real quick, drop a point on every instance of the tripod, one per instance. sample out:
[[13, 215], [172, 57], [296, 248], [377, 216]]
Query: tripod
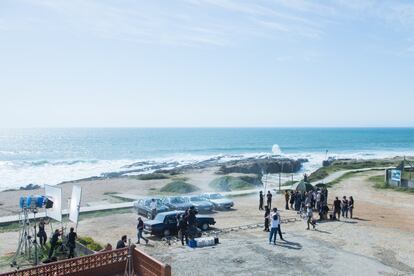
[[26, 233]]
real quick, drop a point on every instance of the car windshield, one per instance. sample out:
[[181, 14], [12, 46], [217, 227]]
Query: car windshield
[[197, 198], [159, 217], [148, 202], [177, 200], [216, 196]]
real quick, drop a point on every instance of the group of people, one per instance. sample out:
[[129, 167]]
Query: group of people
[[343, 207], [187, 225], [54, 241], [268, 200]]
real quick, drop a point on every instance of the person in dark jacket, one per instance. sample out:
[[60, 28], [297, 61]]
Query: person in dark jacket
[[337, 208], [121, 242], [71, 243], [42, 233], [53, 242], [140, 229], [269, 199], [182, 229], [192, 222], [266, 216], [292, 199], [351, 206], [261, 200]]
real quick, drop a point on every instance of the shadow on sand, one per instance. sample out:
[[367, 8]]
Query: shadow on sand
[[289, 244]]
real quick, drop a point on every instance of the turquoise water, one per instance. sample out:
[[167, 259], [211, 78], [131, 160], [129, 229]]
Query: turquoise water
[[48, 156]]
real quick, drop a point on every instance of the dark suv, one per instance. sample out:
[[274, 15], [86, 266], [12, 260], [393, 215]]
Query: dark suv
[[165, 224]]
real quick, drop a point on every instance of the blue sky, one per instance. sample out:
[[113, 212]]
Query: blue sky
[[202, 63]]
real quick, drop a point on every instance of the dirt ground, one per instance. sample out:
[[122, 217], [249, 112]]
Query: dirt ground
[[378, 241]]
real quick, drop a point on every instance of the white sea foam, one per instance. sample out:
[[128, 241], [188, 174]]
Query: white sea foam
[[15, 174]]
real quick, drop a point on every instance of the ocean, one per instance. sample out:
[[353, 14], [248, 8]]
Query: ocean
[[51, 156]]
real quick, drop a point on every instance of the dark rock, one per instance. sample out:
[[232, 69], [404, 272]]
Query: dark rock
[[262, 166]]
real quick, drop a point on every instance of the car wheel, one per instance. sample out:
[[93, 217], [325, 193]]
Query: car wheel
[[167, 233], [204, 227]]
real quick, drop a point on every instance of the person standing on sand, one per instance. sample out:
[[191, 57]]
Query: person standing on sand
[[337, 208], [266, 216], [292, 199], [309, 214], [344, 207], [269, 199], [287, 200], [261, 197], [351, 206], [274, 226], [140, 229]]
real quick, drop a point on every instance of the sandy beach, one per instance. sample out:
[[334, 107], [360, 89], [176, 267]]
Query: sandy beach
[[379, 238]]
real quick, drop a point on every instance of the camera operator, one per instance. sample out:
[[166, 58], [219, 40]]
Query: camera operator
[[53, 242]]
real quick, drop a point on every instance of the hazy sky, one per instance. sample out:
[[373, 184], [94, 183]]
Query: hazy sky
[[206, 63]]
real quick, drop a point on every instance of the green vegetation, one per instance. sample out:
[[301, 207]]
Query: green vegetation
[[339, 165], [90, 243], [9, 227], [150, 176], [231, 183], [178, 187], [379, 183]]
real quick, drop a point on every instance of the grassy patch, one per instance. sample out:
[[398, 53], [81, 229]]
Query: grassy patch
[[9, 227], [379, 183], [231, 183], [150, 176], [179, 187], [339, 165], [90, 243]]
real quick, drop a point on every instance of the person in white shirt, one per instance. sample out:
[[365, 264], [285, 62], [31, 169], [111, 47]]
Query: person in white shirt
[[153, 206], [274, 224]]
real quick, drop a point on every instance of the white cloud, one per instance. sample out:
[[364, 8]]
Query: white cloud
[[208, 22]]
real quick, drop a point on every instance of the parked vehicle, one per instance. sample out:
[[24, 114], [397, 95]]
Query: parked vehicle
[[201, 203], [177, 203], [219, 201], [165, 224], [142, 206]]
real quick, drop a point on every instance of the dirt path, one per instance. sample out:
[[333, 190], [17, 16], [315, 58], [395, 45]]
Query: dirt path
[[385, 208]]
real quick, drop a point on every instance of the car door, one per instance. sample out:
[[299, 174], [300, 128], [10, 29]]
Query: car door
[[171, 223]]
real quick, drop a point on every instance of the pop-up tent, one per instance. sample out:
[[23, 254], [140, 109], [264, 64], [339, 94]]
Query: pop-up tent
[[303, 186]]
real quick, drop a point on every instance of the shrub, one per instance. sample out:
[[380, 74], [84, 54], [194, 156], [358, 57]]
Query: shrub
[[179, 187], [90, 243], [230, 183]]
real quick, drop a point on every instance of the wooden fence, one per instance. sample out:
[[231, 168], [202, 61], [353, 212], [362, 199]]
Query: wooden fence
[[102, 263]]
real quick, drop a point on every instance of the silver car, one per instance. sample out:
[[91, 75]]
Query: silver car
[[219, 201], [201, 203]]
